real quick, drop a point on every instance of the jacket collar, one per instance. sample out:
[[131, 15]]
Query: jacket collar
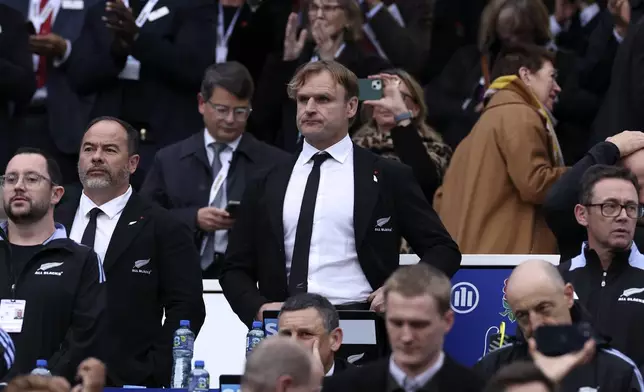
[[195, 145], [59, 232]]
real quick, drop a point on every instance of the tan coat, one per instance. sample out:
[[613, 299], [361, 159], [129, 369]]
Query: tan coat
[[498, 178]]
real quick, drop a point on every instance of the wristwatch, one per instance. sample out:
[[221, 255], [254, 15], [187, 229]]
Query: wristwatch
[[402, 117]]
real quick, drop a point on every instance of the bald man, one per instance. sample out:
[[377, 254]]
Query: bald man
[[280, 364], [626, 149], [538, 296]]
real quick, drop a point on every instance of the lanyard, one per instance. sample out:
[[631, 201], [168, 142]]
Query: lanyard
[[38, 16], [222, 39], [144, 15], [220, 180]]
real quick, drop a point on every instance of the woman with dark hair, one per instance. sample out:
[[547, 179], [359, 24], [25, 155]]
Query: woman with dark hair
[[325, 30], [455, 98], [395, 127]]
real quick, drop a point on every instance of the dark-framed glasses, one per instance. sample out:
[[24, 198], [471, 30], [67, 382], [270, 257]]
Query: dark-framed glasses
[[612, 209], [222, 111], [30, 180]]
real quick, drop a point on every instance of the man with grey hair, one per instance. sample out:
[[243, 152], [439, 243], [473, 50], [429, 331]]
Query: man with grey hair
[[197, 178], [149, 257], [279, 364], [308, 318], [539, 297]]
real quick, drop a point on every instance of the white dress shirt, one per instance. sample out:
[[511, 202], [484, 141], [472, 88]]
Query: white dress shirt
[[221, 236], [411, 384], [334, 270], [105, 222]]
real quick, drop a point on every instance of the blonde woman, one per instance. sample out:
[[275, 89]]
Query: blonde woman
[[395, 127]]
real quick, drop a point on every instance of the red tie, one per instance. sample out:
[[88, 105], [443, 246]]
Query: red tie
[[45, 28]]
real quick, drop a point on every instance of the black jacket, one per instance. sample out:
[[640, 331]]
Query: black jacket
[[609, 370], [66, 302], [615, 301], [181, 176], [152, 267], [383, 188], [559, 206], [374, 377]]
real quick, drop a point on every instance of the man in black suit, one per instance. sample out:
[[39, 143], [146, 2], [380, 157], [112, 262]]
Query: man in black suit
[[17, 82], [365, 204], [148, 257], [55, 119], [400, 31], [419, 315], [308, 318], [140, 62], [183, 178]]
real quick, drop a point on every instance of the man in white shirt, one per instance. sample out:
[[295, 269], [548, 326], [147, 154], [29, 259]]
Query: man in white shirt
[[148, 256], [56, 118], [330, 221], [419, 315]]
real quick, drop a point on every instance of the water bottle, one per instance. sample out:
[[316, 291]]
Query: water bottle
[[41, 368], [254, 336], [182, 349], [199, 378]]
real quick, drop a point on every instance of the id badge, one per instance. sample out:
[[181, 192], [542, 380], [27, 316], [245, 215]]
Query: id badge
[[222, 53], [131, 70], [12, 313]]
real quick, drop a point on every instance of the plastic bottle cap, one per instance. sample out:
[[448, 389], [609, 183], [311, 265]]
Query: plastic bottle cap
[[199, 364], [41, 363], [257, 324], [184, 323]]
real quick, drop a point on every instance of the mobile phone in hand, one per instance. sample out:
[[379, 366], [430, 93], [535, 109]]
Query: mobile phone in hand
[[557, 340], [232, 207], [370, 89]]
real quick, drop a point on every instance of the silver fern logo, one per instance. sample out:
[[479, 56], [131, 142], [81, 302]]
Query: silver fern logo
[[141, 263], [355, 358], [629, 292], [627, 295], [44, 269], [380, 223]]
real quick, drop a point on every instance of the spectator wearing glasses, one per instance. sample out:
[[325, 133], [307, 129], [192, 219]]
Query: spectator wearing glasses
[[58, 285], [609, 271], [197, 177], [394, 127], [328, 30]]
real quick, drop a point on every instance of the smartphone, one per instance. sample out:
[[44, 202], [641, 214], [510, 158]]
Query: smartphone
[[31, 29], [232, 207], [370, 89], [557, 340]]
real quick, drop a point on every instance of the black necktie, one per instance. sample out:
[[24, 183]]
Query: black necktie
[[90, 231], [298, 280]]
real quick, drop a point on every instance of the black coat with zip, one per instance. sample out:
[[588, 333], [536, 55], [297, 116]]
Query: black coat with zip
[[64, 322], [614, 298], [609, 370]]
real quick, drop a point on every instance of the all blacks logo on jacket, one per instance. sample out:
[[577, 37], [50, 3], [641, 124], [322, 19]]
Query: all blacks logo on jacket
[[627, 295], [45, 269]]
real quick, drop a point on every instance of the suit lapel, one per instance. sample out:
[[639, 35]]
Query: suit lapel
[[276, 186], [366, 191], [127, 228]]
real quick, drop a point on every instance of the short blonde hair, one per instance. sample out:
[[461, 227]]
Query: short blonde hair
[[421, 279], [340, 74]]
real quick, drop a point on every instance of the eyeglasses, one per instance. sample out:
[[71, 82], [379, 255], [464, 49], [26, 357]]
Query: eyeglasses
[[326, 8], [30, 180], [612, 209], [222, 111]]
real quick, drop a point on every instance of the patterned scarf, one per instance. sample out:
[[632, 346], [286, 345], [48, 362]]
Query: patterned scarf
[[504, 82]]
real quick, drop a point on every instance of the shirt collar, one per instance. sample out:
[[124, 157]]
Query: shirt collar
[[208, 140], [422, 379], [59, 231], [111, 208], [330, 372], [588, 13], [339, 151]]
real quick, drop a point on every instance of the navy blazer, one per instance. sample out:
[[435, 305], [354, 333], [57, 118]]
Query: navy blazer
[[181, 176], [68, 112]]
